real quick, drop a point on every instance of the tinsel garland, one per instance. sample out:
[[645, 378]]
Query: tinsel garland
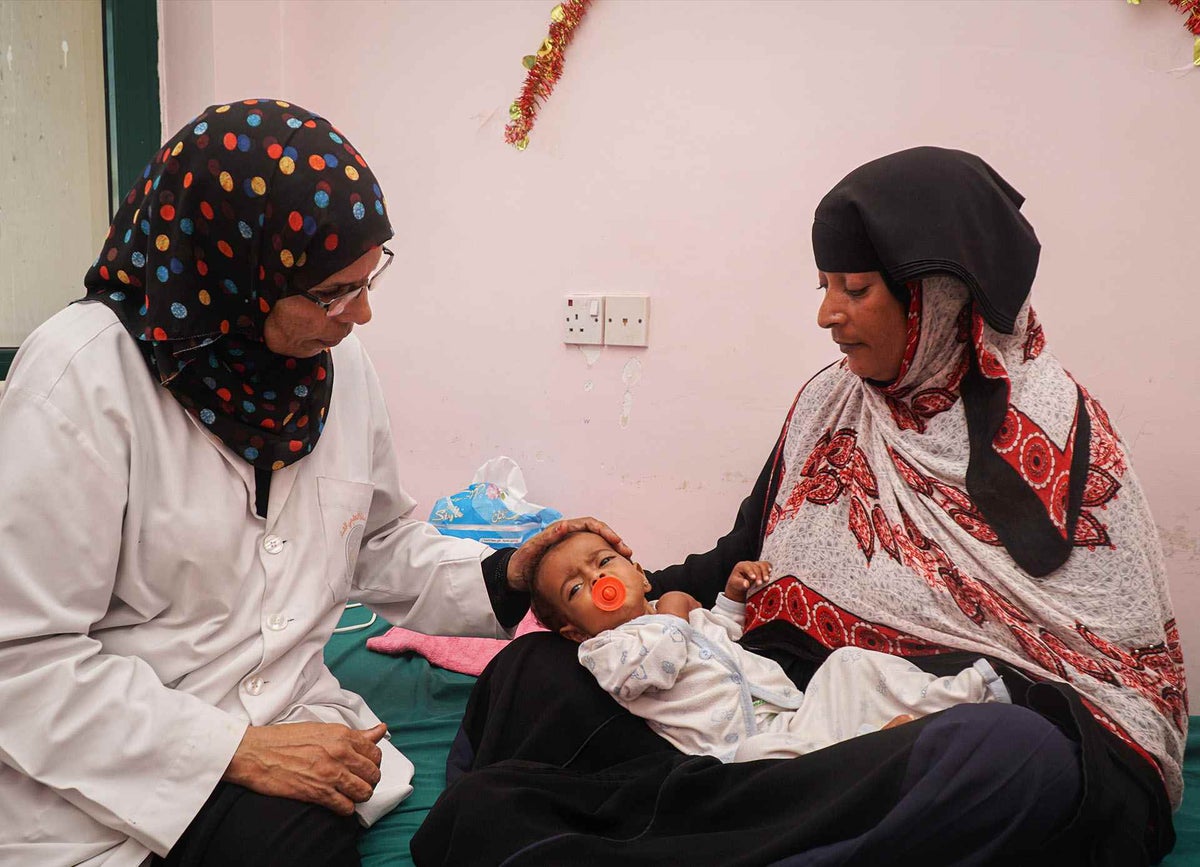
[[546, 64], [1190, 8], [545, 68]]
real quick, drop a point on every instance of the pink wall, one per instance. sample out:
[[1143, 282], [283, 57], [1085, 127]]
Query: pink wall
[[681, 156]]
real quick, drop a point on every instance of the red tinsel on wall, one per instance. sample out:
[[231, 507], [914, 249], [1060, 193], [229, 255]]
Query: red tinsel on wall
[[545, 68], [1190, 8]]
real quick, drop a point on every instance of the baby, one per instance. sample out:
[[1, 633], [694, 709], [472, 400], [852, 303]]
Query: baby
[[676, 665]]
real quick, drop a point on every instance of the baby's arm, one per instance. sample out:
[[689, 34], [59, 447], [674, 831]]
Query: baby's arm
[[746, 575], [678, 603]]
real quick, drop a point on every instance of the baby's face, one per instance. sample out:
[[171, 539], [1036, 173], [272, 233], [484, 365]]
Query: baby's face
[[569, 571]]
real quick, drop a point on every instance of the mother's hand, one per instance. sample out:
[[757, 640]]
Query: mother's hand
[[531, 552], [319, 763]]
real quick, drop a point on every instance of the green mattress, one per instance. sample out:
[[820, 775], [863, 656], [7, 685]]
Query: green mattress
[[423, 705]]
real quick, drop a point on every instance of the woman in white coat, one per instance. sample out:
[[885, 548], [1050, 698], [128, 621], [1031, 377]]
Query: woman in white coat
[[190, 496]]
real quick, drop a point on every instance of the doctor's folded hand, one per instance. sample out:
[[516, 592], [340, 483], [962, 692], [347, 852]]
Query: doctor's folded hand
[[321, 763]]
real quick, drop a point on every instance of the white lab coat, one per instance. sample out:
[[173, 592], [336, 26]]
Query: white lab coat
[[147, 615]]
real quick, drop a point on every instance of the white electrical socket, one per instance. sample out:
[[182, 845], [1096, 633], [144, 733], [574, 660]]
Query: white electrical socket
[[627, 320], [583, 317]]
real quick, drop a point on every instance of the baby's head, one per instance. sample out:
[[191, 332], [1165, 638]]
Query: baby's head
[[561, 583]]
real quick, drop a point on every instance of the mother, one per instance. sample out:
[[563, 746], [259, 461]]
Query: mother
[[945, 491], [198, 472]]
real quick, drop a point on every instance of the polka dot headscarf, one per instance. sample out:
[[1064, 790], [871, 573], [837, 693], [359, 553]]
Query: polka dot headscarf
[[249, 203]]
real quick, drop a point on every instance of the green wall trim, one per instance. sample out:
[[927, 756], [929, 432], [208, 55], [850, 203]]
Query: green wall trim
[[6, 357], [131, 88]]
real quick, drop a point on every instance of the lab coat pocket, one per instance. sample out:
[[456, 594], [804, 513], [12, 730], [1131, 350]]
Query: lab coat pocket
[[344, 508]]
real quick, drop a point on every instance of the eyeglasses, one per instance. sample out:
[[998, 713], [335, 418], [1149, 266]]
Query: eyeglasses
[[338, 303]]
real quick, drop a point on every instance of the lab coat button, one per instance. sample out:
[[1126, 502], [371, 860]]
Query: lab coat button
[[253, 685], [272, 544], [277, 622]]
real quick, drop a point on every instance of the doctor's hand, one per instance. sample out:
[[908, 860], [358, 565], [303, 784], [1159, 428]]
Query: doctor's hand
[[319, 763], [529, 554]]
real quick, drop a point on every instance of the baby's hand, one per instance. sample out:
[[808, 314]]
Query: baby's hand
[[678, 603], [746, 575]]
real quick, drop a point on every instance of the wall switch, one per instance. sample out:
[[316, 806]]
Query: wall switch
[[583, 319], [627, 320]]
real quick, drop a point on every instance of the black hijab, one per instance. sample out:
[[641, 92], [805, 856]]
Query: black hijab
[[250, 202], [931, 210], [927, 211]]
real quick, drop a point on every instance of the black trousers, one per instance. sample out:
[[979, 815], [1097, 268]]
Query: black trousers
[[563, 775], [985, 785], [240, 828]]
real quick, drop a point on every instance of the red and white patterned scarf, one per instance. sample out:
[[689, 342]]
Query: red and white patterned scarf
[[876, 542]]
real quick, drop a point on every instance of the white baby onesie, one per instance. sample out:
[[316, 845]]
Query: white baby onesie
[[709, 696]]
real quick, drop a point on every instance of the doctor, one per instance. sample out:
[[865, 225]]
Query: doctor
[[198, 471]]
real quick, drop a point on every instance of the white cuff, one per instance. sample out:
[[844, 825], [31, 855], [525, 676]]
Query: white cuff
[[992, 682], [728, 606]]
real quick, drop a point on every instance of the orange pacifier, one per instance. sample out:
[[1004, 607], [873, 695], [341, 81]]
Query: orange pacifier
[[608, 593]]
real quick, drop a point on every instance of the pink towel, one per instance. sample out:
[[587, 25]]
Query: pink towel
[[468, 655]]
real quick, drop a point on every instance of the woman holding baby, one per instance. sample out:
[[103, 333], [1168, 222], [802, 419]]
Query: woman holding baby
[[945, 493]]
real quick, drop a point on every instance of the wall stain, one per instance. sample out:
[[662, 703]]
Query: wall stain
[[1180, 543], [630, 374]]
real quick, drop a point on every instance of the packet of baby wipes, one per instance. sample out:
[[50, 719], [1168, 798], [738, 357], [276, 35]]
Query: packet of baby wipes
[[493, 508]]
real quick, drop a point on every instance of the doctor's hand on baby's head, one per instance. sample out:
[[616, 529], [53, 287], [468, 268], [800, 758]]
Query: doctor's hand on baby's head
[[526, 559], [746, 576]]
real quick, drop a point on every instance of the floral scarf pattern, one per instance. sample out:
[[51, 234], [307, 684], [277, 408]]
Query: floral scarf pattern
[[877, 542]]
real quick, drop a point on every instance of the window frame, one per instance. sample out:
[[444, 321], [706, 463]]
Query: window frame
[[131, 101], [131, 93]]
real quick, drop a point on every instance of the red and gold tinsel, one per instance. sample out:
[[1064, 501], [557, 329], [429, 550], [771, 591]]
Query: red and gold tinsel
[[545, 68], [1190, 8]]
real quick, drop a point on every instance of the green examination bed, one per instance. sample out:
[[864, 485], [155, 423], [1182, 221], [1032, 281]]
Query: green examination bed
[[423, 706]]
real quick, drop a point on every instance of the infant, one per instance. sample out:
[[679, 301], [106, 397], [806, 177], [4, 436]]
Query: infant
[[675, 664]]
